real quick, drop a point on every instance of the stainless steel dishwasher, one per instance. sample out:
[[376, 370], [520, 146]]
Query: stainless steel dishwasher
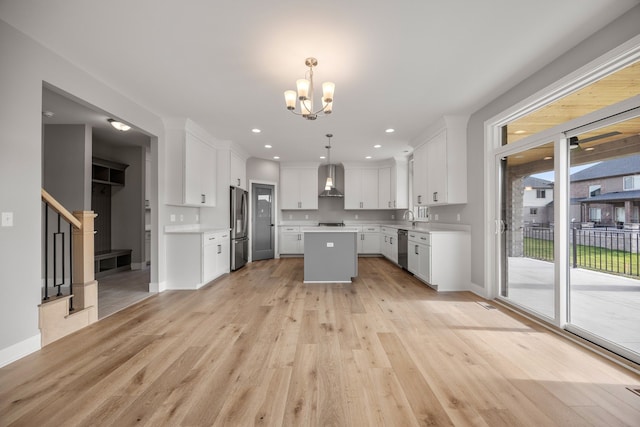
[[403, 245]]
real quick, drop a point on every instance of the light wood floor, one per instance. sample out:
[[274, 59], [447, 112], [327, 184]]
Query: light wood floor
[[258, 347]]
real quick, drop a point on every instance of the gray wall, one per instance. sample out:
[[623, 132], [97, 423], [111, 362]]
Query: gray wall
[[67, 165], [263, 170], [25, 66], [127, 202]]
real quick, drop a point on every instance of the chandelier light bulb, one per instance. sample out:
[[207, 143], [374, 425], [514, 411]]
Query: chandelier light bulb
[[304, 94]]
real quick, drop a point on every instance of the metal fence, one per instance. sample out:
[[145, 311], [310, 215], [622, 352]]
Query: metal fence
[[609, 251]]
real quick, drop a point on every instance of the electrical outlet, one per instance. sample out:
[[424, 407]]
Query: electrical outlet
[[197, 218], [7, 219], [393, 216], [290, 216], [172, 218], [458, 217], [356, 216], [435, 217], [306, 217], [181, 218]]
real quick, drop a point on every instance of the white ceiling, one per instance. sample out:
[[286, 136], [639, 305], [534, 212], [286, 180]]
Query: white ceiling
[[226, 64]]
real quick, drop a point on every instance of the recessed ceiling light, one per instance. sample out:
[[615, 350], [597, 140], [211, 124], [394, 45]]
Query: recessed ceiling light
[[377, 146], [368, 157], [589, 149], [119, 125], [548, 158], [256, 130], [323, 157], [520, 132], [276, 157], [267, 146], [390, 130]]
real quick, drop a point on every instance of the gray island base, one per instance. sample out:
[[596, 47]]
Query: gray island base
[[330, 254]]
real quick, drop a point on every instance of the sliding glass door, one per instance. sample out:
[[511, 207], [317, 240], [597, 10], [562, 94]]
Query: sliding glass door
[[526, 229], [604, 234]]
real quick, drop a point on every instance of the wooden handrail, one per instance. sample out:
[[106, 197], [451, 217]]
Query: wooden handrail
[[57, 207]]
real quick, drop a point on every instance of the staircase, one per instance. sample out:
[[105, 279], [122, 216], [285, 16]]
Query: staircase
[[61, 315]]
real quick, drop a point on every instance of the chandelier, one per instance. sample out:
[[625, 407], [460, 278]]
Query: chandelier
[[305, 95]]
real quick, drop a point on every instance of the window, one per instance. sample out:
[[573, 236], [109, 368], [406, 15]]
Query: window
[[541, 194], [594, 190], [595, 214], [533, 211], [631, 182]]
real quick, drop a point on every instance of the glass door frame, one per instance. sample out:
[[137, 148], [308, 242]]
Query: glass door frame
[[612, 61]]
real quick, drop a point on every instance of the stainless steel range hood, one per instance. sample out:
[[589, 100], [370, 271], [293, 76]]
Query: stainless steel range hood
[[332, 191]]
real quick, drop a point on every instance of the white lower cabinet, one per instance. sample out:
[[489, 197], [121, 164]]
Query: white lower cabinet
[[195, 259], [291, 240], [442, 259], [369, 239], [419, 255], [389, 243]]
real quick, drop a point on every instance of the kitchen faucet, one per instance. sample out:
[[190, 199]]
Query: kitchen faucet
[[409, 213]]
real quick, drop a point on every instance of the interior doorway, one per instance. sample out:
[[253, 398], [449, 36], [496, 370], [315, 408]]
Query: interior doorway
[[113, 178], [263, 225]]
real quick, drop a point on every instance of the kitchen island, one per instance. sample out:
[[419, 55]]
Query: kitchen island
[[330, 254]]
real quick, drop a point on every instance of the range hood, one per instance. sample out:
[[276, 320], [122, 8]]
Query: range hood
[[331, 191]]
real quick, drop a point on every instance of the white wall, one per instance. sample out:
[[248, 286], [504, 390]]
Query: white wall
[[25, 66]]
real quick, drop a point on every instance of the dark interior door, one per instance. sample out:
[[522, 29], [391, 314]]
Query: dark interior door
[[263, 239]]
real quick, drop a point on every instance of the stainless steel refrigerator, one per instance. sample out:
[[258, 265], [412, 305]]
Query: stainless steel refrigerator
[[239, 227]]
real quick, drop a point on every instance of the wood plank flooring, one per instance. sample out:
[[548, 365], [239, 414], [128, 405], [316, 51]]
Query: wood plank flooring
[[259, 347]]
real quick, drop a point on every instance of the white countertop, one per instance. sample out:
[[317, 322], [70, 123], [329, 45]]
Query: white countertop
[[319, 229], [192, 229]]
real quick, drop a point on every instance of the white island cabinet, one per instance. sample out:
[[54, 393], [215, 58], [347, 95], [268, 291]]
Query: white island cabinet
[[195, 258], [299, 186]]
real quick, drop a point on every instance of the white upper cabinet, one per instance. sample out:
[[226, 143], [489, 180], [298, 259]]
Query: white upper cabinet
[[238, 171], [385, 199], [396, 178], [191, 167], [299, 186], [360, 187], [440, 164]]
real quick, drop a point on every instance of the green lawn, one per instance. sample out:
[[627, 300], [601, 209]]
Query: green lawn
[[593, 258]]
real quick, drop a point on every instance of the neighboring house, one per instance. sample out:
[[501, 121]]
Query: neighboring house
[[537, 201], [607, 193]]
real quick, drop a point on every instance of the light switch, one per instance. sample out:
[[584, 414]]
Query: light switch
[[172, 218], [329, 244], [7, 219]]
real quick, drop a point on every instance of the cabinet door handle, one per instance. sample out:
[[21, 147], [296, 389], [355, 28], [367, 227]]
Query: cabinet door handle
[[219, 249], [435, 196], [391, 240], [238, 182], [417, 250], [203, 198], [419, 199]]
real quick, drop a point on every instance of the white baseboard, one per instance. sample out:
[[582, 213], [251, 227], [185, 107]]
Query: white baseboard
[[478, 290], [156, 287], [19, 350]]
